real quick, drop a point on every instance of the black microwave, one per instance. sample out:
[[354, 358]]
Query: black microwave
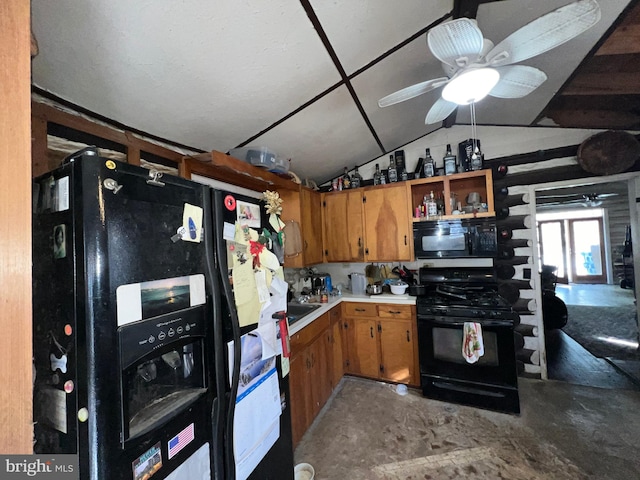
[[469, 237]]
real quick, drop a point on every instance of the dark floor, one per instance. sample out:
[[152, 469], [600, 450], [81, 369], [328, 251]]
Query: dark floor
[[565, 432], [568, 361]]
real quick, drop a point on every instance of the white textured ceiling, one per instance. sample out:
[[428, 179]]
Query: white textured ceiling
[[214, 75]]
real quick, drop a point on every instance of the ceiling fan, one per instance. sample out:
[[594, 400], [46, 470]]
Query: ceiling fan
[[476, 68], [590, 200]]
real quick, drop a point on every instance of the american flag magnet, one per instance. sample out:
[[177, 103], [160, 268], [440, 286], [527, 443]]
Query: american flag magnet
[[177, 443]]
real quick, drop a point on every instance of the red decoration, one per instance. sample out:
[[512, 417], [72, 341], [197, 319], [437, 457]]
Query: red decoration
[[230, 202]]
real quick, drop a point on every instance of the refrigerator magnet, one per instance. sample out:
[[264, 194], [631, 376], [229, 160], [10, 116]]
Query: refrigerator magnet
[[248, 214], [59, 241], [192, 223], [148, 463]]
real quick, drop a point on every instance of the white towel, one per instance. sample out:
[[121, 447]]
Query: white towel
[[472, 344]]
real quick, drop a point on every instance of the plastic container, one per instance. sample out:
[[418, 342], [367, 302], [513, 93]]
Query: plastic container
[[358, 284], [258, 156], [281, 165], [304, 471]]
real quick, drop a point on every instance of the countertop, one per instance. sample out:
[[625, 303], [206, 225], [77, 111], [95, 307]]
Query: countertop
[[349, 297]]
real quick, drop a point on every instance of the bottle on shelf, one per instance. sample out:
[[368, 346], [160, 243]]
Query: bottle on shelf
[[356, 180], [419, 171], [429, 167], [404, 176], [400, 163], [440, 203], [450, 166], [346, 179], [377, 175], [432, 206], [392, 172]]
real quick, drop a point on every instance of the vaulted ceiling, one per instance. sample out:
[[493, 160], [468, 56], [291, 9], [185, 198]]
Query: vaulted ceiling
[[303, 77]]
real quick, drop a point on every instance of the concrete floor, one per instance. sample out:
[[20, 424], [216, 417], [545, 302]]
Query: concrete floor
[[367, 431]]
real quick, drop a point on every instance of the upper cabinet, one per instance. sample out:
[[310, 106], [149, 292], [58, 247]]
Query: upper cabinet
[[387, 225], [367, 224], [342, 229], [304, 207], [453, 189]]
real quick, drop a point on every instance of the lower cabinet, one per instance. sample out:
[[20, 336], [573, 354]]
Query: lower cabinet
[[380, 341], [366, 339], [316, 368]]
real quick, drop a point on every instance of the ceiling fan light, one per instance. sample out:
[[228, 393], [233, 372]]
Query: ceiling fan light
[[471, 86]]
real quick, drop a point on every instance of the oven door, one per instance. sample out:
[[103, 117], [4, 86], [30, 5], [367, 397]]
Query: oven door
[[491, 382], [440, 342]]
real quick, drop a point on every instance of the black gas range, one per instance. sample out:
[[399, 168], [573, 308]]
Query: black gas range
[[457, 299]]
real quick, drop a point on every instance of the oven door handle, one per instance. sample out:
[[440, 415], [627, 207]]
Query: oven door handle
[[449, 322]]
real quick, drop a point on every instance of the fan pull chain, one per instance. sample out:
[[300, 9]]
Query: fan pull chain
[[474, 155]]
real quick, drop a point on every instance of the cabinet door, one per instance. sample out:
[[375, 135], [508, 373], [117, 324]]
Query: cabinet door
[[397, 350], [300, 396], [342, 226], [318, 375], [387, 224], [336, 347], [311, 226], [362, 339]]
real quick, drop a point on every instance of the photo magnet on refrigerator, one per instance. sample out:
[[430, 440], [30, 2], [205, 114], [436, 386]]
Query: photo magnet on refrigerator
[[192, 223]]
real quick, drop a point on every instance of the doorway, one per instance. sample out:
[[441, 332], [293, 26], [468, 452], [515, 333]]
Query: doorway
[[575, 246]]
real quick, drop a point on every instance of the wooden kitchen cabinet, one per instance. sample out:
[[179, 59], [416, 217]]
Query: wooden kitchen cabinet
[[337, 360], [304, 207], [342, 226], [368, 224], [462, 184], [312, 373], [388, 235], [381, 341]]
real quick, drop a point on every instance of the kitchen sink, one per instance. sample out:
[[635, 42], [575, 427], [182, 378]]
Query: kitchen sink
[[297, 311]]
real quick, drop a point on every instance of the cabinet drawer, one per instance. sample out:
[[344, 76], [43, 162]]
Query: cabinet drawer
[[394, 311], [357, 309], [305, 336]]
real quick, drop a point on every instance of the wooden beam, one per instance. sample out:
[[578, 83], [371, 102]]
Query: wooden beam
[[15, 242], [82, 124], [588, 118], [625, 39], [623, 83], [228, 169]]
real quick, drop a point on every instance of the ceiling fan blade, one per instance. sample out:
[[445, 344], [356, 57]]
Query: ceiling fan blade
[[412, 91], [440, 110], [546, 32], [517, 81], [457, 42]]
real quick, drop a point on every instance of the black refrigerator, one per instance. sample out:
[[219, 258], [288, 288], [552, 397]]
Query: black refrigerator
[[231, 210], [131, 322]]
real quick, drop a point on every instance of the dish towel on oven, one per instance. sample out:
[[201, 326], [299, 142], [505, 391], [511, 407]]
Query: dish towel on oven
[[472, 345]]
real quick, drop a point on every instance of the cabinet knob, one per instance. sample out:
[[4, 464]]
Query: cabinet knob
[[405, 240], [371, 332], [408, 337]]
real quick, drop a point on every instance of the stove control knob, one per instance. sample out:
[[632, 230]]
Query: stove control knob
[[493, 314]]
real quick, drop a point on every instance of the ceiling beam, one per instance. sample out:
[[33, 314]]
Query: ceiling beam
[[622, 83], [625, 39]]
